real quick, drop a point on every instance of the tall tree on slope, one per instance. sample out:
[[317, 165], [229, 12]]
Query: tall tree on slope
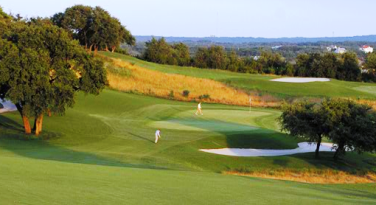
[[42, 68]]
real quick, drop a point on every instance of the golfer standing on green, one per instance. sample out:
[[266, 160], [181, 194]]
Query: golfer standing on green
[[199, 109], [157, 135]]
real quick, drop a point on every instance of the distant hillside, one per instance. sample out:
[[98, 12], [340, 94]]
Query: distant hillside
[[369, 38]]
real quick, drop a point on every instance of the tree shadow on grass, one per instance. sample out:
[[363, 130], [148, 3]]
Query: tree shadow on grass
[[244, 136], [6, 123], [12, 139], [141, 137], [269, 139]]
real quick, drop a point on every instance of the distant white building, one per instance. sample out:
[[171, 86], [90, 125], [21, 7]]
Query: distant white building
[[340, 50], [256, 58], [366, 49], [276, 47], [331, 48]]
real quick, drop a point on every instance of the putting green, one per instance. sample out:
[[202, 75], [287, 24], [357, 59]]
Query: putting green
[[200, 125], [212, 120]]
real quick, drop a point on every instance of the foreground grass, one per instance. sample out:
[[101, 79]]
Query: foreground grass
[[262, 84], [29, 181], [102, 151]]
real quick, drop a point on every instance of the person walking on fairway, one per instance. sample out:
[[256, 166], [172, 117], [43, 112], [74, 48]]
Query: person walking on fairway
[[199, 109], [157, 135]]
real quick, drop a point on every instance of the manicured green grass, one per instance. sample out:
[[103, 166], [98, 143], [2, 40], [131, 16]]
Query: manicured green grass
[[261, 83], [103, 151], [29, 181]]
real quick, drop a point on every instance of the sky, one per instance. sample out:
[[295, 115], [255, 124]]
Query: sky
[[223, 18]]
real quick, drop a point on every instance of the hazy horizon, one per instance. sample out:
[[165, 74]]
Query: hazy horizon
[[238, 18], [253, 36]]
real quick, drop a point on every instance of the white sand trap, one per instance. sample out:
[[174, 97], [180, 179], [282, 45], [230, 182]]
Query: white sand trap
[[300, 80], [304, 147], [8, 107]]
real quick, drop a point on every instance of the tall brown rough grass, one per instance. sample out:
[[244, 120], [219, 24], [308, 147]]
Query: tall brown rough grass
[[368, 102], [128, 77], [327, 176]]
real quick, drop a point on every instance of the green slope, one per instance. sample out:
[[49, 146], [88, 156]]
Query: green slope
[[334, 88], [102, 151], [28, 181]]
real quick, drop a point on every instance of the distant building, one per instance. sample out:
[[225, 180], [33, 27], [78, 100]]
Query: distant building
[[276, 47], [366, 49], [331, 48], [340, 50]]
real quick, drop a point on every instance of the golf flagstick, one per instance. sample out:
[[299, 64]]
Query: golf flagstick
[[250, 104]]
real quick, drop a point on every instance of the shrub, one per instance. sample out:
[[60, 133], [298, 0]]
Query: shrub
[[171, 95], [186, 93], [205, 96]]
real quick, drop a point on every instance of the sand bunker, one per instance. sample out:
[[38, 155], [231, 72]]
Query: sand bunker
[[8, 107], [304, 147], [300, 80]]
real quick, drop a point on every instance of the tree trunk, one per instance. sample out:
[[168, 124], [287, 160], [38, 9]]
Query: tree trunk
[[90, 48], [25, 119], [95, 50], [26, 123], [113, 49], [41, 123], [318, 147], [340, 149], [336, 154], [38, 124]]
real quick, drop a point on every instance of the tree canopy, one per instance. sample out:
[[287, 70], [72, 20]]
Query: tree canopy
[[350, 126], [159, 51], [95, 28], [3, 15], [370, 68], [41, 69], [329, 65], [305, 120]]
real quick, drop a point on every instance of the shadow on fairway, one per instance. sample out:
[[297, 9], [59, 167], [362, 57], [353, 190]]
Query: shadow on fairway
[[141, 137], [6, 123], [13, 139], [270, 139], [246, 136]]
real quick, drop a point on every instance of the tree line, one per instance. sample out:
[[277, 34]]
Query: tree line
[[370, 68], [339, 66], [45, 62], [350, 126]]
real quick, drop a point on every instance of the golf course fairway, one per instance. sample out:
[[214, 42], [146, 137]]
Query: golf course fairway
[[103, 152]]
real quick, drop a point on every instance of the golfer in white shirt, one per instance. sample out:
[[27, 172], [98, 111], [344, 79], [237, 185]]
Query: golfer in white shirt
[[157, 135], [199, 109]]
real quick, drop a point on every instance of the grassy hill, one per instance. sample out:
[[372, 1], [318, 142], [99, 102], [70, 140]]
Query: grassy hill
[[102, 151], [262, 83]]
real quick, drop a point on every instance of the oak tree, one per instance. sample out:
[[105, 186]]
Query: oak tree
[[42, 69]]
